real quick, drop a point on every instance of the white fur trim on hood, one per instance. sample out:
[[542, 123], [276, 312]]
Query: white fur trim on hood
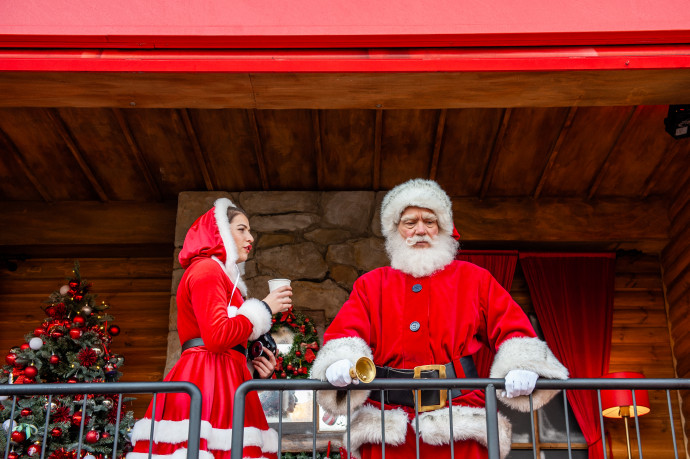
[[351, 348], [258, 314], [221, 206], [527, 354], [418, 193]]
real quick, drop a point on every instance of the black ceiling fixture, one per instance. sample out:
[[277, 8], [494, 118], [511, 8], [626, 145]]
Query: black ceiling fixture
[[678, 121]]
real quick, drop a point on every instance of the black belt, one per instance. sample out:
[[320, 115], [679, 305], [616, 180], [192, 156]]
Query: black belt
[[194, 342], [431, 398]]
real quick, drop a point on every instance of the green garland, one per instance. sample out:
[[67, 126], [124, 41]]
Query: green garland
[[305, 345]]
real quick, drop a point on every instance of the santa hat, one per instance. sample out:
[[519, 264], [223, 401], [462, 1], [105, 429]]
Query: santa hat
[[418, 193]]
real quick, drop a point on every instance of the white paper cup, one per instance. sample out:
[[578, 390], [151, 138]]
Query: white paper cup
[[277, 283]]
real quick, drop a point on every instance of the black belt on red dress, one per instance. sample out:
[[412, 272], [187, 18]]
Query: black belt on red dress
[[195, 342], [428, 397]]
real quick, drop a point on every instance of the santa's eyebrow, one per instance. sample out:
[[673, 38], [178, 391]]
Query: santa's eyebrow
[[429, 216]]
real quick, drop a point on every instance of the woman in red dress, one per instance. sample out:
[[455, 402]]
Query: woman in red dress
[[214, 323]]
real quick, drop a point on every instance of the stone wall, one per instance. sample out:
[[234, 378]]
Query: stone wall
[[322, 241]]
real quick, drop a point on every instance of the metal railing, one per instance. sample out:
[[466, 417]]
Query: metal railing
[[490, 386], [119, 388]]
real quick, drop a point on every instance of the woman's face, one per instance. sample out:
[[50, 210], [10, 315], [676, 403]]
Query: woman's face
[[239, 228]]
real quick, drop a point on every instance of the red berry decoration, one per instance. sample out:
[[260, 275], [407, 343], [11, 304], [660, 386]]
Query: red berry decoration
[[92, 436], [12, 455], [79, 321], [72, 381], [73, 283], [24, 346], [18, 436], [78, 297], [105, 435], [31, 371], [56, 432], [54, 359], [75, 333], [26, 412], [114, 330]]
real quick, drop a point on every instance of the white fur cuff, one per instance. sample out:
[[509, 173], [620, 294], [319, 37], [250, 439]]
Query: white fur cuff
[[258, 315], [527, 354], [351, 348]]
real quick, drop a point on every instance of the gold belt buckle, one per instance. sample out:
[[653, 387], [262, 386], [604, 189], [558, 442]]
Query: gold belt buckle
[[443, 394]]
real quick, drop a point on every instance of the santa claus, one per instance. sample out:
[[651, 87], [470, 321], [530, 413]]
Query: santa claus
[[429, 309]]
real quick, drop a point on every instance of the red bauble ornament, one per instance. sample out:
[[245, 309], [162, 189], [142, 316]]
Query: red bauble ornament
[[11, 358], [289, 367], [105, 435], [78, 321], [24, 346], [56, 432], [12, 455], [54, 359], [26, 412], [73, 283], [18, 436], [31, 371], [75, 333], [298, 353], [56, 334], [76, 418], [306, 320], [114, 330], [283, 375], [92, 436], [39, 331], [33, 450]]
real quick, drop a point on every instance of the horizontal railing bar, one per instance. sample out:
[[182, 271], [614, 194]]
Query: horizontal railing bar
[[99, 388]]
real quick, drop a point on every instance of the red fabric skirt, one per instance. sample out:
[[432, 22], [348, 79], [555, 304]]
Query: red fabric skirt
[[217, 376], [468, 449]]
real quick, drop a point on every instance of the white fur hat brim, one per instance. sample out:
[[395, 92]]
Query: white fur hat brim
[[416, 193]]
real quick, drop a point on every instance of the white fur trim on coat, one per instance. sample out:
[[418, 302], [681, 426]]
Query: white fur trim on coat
[[527, 354], [174, 432], [365, 427], [469, 423], [351, 348], [258, 314], [418, 193], [220, 212], [178, 454]]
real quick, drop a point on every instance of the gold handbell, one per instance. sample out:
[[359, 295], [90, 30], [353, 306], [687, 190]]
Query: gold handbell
[[364, 370]]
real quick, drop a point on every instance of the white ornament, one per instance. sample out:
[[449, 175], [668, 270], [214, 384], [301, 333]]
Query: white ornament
[[35, 343], [64, 289], [3, 398], [7, 426], [89, 456]]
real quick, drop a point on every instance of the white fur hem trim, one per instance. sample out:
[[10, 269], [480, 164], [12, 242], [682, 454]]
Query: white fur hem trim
[[352, 348], [216, 439], [220, 213], [366, 427], [469, 423], [258, 315], [527, 354]]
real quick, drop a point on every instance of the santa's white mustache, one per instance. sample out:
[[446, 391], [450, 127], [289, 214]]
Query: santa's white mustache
[[412, 240]]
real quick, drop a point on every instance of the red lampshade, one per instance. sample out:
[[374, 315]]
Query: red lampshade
[[617, 403]]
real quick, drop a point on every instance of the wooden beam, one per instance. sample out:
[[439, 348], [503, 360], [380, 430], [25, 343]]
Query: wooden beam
[[346, 90], [490, 166], [316, 128], [64, 133], [136, 152], [606, 164], [554, 151], [201, 160], [19, 160], [258, 149], [438, 141], [378, 133], [87, 223]]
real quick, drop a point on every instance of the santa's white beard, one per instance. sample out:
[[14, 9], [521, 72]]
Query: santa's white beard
[[421, 261]]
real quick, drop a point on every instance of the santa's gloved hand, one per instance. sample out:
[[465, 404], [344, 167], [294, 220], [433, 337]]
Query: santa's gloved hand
[[520, 382], [338, 373]]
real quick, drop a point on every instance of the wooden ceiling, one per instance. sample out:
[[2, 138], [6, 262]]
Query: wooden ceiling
[[537, 138]]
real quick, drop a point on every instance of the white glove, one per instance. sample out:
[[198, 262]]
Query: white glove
[[338, 373], [520, 382]]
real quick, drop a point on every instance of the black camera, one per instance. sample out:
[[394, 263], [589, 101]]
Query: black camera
[[265, 341]]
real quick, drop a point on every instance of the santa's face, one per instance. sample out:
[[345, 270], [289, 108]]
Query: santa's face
[[418, 227]]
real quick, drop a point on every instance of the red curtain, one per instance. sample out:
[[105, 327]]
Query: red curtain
[[573, 298], [501, 264]]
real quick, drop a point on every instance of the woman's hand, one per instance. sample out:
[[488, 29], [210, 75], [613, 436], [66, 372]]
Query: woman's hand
[[279, 299], [265, 365]]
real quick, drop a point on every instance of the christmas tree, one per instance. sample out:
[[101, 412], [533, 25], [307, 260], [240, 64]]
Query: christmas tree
[[71, 345]]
